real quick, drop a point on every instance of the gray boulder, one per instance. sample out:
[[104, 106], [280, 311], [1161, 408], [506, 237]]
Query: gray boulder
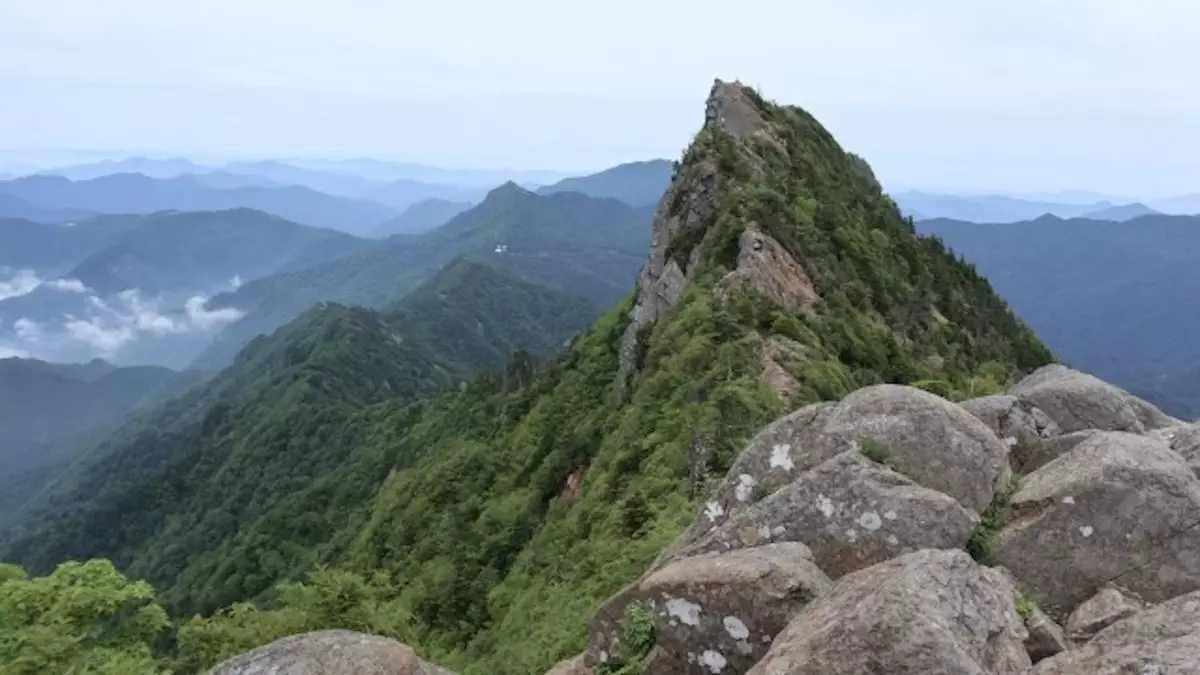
[[329, 652], [713, 613], [1102, 610], [926, 613], [1029, 458], [1186, 441], [572, 666], [1119, 508], [1077, 401], [1010, 420], [932, 441], [852, 513], [1161, 640], [1046, 638]]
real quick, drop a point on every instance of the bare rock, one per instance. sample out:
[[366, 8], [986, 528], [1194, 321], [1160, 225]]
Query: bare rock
[[1118, 508], [1161, 640], [927, 438], [765, 267], [1009, 420], [1046, 638], [926, 613], [329, 652], [1077, 401], [852, 513], [1102, 610], [730, 109], [1186, 442], [572, 666], [1029, 458], [714, 613], [780, 355]]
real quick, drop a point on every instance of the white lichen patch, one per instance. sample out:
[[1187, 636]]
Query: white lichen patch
[[686, 611], [745, 487], [736, 628], [1086, 530], [764, 532], [852, 535], [781, 457], [870, 521], [778, 530], [825, 505], [1068, 499], [714, 510], [713, 660], [890, 515]]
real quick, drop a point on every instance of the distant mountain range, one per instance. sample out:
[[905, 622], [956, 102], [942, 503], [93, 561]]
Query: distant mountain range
[[1122, 212], [136, 193], [635, 183], [1003, 209], [421, 217], [1114, 299]]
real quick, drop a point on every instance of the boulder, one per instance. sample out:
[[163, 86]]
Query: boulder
[[1029, 458], [712, 613], [932, 441], [1186, 442], [1046, 638], [1010, 421], [852, 513], [1077, 401], [1102, 610], [1161, 640], [572, 666], [329, 652], [1119, 508], [927, 613]]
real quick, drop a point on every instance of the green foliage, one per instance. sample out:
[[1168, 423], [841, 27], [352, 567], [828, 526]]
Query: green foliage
[[981, 544], [636, 640], [1025, 606], [82, 618], [873, 450]]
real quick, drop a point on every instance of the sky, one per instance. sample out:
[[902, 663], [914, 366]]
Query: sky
[[1019, 96]]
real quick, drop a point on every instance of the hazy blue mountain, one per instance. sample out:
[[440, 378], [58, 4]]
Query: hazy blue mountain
[[1180, 205], [52, 250], [15, 207], [402, 194], [1114, 299], [387, 171], [566, 241], [986, 208], [332, 182], [226, 180], [421, 217], [199, 250], [154, 168], [135, 193], [635, 183], [1122, 212]]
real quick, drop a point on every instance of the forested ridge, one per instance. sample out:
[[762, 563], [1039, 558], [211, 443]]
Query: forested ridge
[[485, 524]]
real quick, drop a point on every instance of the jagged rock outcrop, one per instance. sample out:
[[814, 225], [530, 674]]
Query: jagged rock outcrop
[[926, 613], [1161, 640], [1026, 459], [1046, 638], [852, 513], [1119, 508], [329, 652], [1076, 401], [1016, 424], [711, 613], [1102, 610], [765, 267], [1186, 441]]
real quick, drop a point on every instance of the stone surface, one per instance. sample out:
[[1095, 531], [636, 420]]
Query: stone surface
[[926, 613], [329, 652], [1046, 638], [765, 267], [1186, 441], [1031, 457], [714, 613], [1077, 401], [1119, 508], [781, 356], [1161, 640], [1009, 420], [1102, 610], [852, 513], [571, 666]]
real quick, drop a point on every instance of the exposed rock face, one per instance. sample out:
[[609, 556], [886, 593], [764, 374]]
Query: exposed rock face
[[1161, 640], [779, 355], [765, 267], [927, 613], [1011, 421], [852, 513], [1104, 609], [714, 613], [571, 666], [1029, 458], [1118, 508], [329, 652], [1186, 441], [1045, 639], [1077, 401]]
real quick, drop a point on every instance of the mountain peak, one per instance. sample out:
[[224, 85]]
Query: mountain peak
[[735, 109], [508, 189]]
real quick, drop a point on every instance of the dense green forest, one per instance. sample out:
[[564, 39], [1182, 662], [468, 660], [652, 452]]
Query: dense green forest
[[484, 525]]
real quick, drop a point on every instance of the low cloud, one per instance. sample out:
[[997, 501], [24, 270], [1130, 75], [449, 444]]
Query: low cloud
[[11, 353], [24, 282]]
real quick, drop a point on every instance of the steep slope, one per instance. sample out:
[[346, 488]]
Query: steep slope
[[569, 242], [201, 250], [635, 183], [421, 217], [135, 193], [1106, 296], [236, 469]]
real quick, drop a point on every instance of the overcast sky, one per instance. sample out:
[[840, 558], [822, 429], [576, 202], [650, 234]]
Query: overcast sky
[[1018, 96]]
